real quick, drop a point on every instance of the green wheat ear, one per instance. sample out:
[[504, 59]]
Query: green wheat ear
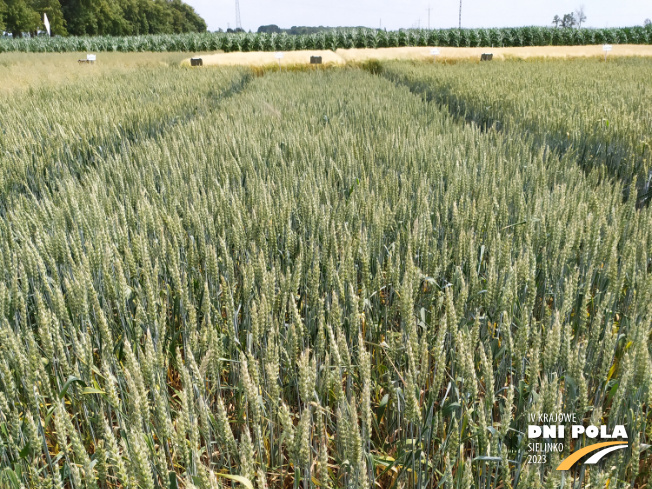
[[203, 284]]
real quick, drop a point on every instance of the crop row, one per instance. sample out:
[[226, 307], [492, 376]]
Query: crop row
[[335, 39], [577, 108], [48, 133]]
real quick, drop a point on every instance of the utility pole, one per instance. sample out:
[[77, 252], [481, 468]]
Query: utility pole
[[460, 14], [238, 23], [429, 9]]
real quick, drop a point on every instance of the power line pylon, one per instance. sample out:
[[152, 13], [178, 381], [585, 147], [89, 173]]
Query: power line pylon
[[238, 22], [460, 14]]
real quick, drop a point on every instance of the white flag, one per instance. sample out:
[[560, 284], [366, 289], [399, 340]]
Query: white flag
[[47, 23]]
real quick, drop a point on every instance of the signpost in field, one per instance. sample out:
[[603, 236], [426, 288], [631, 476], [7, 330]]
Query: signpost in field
[[279, 56], [434, 52], [606, 48]]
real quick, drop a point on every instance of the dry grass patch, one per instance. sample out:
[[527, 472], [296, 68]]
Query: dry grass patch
[[263, 59], [345, 56]]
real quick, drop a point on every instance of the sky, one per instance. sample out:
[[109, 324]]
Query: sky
[[414, 13]]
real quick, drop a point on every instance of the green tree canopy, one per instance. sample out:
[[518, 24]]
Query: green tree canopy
[[269, 28], [185, 19], [3, 9], [20, 17], [100, 17], [55, 15]]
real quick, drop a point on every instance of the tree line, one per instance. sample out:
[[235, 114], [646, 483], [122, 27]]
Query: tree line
[[99, 17], [570, 20]]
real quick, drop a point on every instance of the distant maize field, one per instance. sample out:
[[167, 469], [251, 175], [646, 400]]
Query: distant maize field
[[335, 39], [336, 278]]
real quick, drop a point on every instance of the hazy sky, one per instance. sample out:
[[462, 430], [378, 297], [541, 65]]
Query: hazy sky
[[412, 13]]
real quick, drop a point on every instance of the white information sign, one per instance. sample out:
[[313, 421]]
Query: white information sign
[[606, 48]]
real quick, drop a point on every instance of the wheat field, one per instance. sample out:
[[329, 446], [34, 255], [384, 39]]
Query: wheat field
[[335, 278], [354, 56]]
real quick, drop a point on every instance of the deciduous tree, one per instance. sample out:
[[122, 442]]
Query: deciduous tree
[[117, 17], [3, 9], [580, 16], [20, 17], [568, 21], [55, 15]]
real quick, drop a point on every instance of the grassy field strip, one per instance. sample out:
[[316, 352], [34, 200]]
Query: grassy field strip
[[327, 282], [573, 107], [47, 133]]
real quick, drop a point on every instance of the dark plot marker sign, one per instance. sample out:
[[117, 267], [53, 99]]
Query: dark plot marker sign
[[315, 60], [90, 58], [486, 57], [196, 62]]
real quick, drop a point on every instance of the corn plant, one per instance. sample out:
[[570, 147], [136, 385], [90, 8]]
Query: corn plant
[[372, 38]]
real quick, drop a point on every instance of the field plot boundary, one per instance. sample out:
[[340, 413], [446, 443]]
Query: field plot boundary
[[344, 56]]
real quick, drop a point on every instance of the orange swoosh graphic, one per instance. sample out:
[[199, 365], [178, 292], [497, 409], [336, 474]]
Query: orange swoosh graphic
[[569, 461]]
